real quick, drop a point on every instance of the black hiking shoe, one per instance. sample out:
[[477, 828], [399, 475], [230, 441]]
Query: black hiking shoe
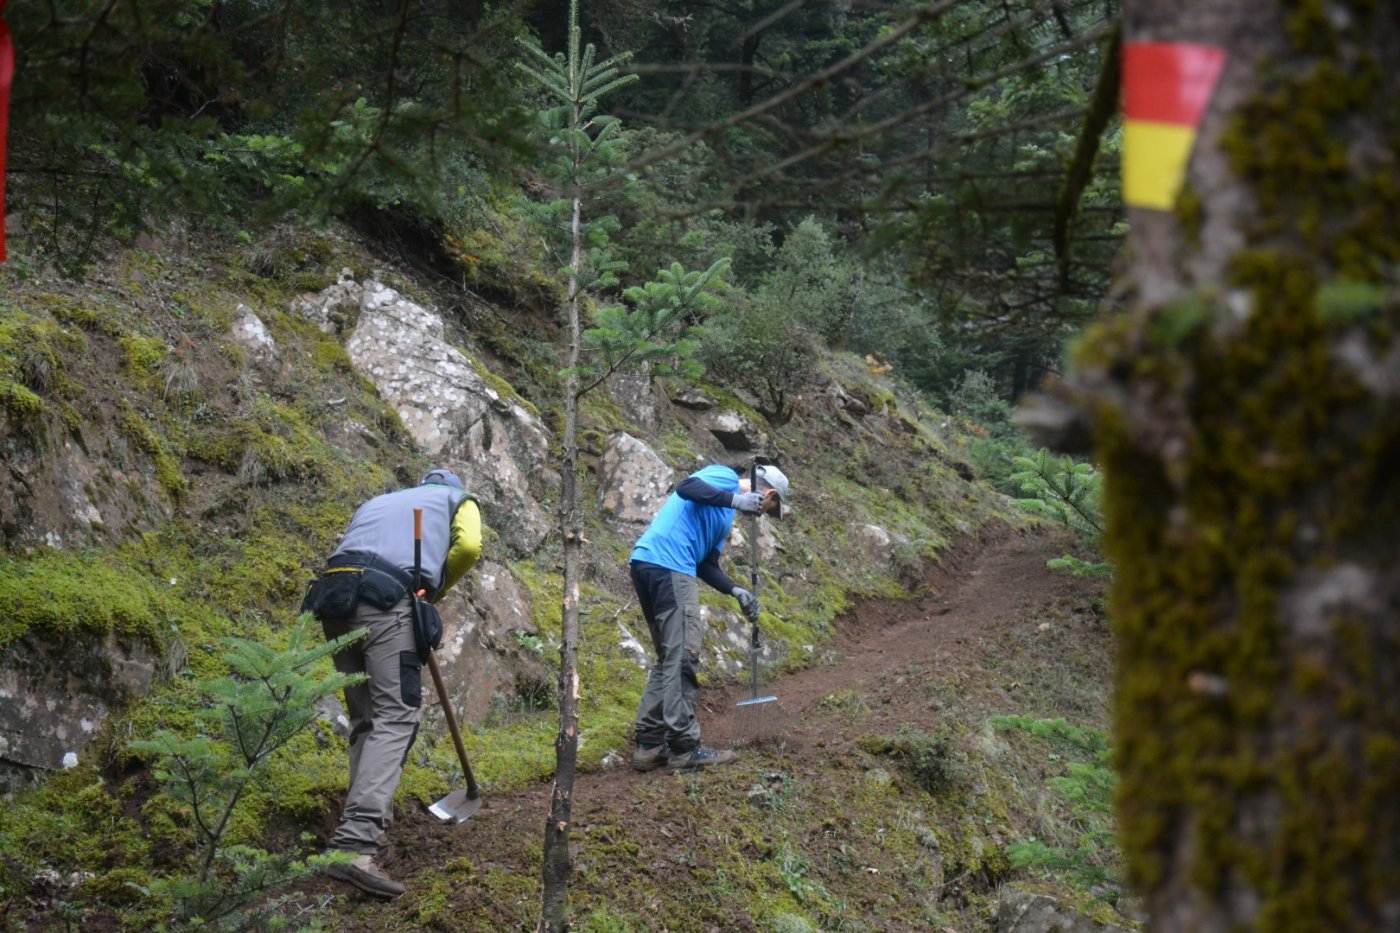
[[701, 756], [649, 759], [364, 873]]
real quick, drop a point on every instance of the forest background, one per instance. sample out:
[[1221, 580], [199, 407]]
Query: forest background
[[933, 188]]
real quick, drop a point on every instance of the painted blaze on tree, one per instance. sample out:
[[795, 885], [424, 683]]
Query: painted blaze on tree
[[1246, 413]]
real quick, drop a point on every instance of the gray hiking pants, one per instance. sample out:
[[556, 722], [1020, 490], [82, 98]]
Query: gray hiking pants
[[384, 714], [671, 604]]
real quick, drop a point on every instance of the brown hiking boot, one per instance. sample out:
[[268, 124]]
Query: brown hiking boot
[[364, 873], [701, 756], [649, 759]]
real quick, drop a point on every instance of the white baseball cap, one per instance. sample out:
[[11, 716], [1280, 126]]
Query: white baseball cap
[[774, 477]]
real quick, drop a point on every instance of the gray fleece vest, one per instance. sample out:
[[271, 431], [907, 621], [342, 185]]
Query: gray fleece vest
[[383, 526]]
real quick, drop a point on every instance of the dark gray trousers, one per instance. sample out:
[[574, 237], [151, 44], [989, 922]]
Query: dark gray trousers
[[670, 602]]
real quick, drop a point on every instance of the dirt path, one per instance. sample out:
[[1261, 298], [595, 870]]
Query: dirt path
[[977, 613], [965, 603]]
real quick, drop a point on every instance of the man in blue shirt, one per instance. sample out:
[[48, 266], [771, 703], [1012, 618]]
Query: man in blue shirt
[[683, 543]]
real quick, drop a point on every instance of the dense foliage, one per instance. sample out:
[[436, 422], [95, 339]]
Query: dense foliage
[[930, 184]]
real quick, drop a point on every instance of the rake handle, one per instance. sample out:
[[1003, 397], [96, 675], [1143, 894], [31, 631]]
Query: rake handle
[[754, 642]]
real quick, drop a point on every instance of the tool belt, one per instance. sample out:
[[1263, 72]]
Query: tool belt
[[349, 578]]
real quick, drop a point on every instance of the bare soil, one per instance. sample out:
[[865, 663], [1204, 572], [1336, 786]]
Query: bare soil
[[991, 631]]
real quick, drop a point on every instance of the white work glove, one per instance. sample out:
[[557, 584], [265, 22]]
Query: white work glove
[[750, 503], [747, 602]]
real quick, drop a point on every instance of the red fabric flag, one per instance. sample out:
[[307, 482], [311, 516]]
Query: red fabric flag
[[7, 73]]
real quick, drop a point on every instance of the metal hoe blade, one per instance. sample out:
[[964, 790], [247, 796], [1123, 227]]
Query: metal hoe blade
[[456, 807], [460, 804]]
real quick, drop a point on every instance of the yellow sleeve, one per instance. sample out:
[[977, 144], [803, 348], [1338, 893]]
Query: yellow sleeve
[[465, 549]]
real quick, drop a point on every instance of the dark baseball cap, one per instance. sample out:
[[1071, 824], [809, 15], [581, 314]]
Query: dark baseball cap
[[441, 477]]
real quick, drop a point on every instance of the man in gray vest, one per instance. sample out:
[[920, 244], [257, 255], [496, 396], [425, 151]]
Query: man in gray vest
[[367, 583]]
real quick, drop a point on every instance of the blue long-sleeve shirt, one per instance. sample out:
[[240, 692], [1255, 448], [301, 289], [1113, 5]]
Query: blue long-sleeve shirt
[[687, 535]]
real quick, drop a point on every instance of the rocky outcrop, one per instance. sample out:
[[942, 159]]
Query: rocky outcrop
[[633, 394], [251, 334], [694, 399], [878, 543], [482, 657], [498, 445], [74, 491], [736, 432], [54, 698]]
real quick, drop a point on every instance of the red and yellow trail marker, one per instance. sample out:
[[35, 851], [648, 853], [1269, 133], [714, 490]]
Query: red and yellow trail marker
[[1166, 86]]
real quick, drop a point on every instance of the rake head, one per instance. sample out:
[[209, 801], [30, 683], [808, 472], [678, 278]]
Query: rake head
[[759, 721]]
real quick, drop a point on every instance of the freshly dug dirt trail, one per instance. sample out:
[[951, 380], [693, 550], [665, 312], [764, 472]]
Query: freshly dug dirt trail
[[983, 626]]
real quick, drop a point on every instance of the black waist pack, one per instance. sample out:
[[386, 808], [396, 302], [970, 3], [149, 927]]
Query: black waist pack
[[349, 578], [332, 596], [427, 628]]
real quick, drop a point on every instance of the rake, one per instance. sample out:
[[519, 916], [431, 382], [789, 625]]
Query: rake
[[755, 714]]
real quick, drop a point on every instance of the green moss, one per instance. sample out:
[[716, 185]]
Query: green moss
[[35, 356], [69, 310], [95, 593], [143, 357], [167, 464], [23, 406], [72, 820]]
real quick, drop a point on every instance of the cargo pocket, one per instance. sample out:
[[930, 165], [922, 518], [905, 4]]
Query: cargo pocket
[[690, 658], [411, 678]]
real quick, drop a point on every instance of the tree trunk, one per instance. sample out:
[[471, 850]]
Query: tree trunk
[[1246, 413], [748, 54], [557, 867]]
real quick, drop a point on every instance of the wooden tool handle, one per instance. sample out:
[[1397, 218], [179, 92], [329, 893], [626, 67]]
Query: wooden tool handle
[[473, 791]]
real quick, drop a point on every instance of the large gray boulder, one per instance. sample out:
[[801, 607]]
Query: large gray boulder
[[454, 415], [633, 481], [483, 659]]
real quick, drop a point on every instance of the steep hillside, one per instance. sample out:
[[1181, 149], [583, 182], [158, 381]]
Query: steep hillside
[[186, 432], [884, 792]]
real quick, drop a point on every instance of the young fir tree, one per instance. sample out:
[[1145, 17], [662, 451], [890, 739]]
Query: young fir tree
[[583, 152], [266, 700]]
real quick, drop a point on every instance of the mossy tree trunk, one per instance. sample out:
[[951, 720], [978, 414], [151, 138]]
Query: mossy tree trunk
[[1246, 413]]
